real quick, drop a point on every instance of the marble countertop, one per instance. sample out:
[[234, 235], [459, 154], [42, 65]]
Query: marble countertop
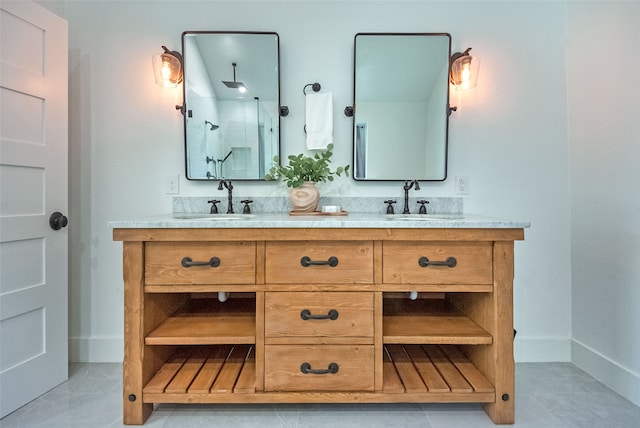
[[284, 220]]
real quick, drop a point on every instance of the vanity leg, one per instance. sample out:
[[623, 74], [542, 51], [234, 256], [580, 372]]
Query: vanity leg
[[499, 311], [135, 412]]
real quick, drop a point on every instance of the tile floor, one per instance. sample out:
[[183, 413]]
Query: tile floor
[[549, 395]]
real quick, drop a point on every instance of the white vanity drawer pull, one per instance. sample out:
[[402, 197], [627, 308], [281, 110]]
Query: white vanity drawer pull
[[425, 262], [213, 262]]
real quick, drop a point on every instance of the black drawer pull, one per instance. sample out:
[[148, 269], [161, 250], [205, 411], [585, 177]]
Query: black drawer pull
[[213, 262], [424, 262], [306, 369], [306, 261], [305, 314]]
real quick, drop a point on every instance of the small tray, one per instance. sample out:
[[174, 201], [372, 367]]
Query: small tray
[[314, 213]]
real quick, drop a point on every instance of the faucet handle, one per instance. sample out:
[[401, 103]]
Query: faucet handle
[[246, 209], [390, 206], [423, 209], [214, 207]]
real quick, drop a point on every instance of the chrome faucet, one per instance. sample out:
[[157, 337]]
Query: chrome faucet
[[407, 186], [229, 187]]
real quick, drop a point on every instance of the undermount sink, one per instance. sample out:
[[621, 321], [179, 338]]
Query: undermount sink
[[215, 217], [424, 217]]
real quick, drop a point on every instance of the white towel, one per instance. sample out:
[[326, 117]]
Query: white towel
[[319, 120]]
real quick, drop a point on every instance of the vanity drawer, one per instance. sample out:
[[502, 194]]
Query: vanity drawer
[[283, 368], [402, 262], [318, 314], [233, 263], [320, 262]]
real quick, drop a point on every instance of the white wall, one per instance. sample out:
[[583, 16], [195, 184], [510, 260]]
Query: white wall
[[604, 136], [509, 134]]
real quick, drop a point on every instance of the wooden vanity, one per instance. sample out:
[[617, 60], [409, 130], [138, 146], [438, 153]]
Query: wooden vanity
[[318, 315]]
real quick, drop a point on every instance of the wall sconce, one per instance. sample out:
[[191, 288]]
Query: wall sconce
[[167, 68], [464, 68]]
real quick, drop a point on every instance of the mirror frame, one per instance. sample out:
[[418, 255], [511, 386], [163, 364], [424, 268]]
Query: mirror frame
[[184, 100], [446, 108]]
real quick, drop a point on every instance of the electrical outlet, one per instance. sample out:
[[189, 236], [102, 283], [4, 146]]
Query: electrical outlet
[[172, 185], [462, 185]]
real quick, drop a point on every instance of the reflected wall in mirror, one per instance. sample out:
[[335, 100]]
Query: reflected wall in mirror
[[401, 100], [232, 98]]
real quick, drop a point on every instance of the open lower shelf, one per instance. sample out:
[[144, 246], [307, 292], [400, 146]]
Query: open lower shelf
[[208, 322], [227, 374], [205, 370], [429, 321], [431, 369]]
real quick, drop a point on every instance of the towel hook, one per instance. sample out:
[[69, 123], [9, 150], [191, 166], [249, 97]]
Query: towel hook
[[315, 86]]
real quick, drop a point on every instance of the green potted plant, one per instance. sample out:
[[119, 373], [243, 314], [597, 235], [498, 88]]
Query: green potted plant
[[301, 175]]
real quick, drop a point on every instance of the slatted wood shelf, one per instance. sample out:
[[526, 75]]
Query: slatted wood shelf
[[223, 369], [208, 322], [429, 321], [431, 369], [226, 374]]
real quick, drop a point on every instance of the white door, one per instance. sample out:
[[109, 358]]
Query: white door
[[33, 185]]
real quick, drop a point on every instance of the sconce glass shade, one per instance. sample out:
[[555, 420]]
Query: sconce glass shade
[[464, 70], [167, 68]]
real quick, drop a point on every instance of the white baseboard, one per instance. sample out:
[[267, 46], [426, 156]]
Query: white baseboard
[[96, 349], [541, 349], [622, 380]]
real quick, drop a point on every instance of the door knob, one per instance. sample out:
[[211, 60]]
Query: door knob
[[57, 221]]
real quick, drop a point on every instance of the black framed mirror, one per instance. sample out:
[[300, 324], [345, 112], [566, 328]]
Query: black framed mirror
[[401, 106], [231, 104]]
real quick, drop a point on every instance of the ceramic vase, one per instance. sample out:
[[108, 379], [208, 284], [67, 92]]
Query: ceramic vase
[[305, 198]]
